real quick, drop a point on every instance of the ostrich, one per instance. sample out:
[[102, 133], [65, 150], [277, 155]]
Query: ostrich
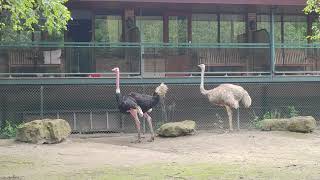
[[227, 95], [138, 104]]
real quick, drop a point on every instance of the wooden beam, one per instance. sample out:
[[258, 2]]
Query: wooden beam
[[309, 26], [165, 28], [189, 20], [256, 2]]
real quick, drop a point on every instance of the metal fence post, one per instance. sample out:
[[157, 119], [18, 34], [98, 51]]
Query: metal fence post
[[41, 102], [141, 46], [238, 118], [143, 118], [272, 42]]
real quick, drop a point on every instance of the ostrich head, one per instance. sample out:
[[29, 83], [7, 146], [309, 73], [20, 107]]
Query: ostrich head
[[202, 66], [116, 69]]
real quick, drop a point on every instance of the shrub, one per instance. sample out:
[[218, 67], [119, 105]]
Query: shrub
[[292, 112], [9, 130]]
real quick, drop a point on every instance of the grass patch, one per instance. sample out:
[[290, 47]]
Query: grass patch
[[201, 171], [11, 165]]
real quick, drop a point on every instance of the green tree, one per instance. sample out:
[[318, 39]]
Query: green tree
[[313, 7], [30, 15]]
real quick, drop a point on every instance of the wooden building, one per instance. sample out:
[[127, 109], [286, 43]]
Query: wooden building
[[165, 38]]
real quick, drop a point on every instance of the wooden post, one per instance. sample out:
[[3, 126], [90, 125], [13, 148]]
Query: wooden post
[[189, 19], [165, 28], [309, 27], [219, 30]]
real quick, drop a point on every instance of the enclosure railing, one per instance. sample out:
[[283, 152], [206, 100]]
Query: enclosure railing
[[95, 59], [93, 107]]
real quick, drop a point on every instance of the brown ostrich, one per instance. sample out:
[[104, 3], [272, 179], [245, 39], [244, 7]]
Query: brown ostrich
[[227, 95]]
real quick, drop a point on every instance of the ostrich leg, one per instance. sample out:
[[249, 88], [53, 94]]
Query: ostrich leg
[[149, 119], [134, 115], [229, 111]]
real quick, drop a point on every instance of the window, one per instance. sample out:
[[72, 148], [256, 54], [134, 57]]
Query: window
[[231, 25], [108, 28], [204, 28], [178, 29], [295, 29], [263, 22], [151, 28]]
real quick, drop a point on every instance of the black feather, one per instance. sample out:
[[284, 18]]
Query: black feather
[[125, 103], [146, 102]]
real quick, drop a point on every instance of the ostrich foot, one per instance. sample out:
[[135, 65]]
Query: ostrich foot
[[151, 139]]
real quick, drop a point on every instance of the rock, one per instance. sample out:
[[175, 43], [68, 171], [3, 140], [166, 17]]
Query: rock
[[274, 124], [303, 124], [43, 131], [175, 129]]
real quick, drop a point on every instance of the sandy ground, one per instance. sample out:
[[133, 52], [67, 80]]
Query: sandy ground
[[205, 155]]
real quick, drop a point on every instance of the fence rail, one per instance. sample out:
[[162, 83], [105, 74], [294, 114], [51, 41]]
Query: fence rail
[[93, 59]]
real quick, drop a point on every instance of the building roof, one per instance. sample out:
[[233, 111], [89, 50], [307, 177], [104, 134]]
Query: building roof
[[251, 2]]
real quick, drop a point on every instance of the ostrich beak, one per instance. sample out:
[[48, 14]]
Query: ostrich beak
[[114, 69]]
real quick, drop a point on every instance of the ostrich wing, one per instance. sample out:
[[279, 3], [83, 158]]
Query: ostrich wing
[[145, 101], [127, 103], [226, 94]]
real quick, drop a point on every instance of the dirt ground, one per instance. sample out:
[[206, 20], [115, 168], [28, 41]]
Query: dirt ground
[[205, 155]]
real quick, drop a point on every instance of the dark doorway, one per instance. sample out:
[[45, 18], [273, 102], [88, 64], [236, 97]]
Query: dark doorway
[[80, 61]]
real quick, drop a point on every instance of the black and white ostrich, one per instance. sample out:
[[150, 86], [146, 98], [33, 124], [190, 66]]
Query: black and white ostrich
[[139, 104]]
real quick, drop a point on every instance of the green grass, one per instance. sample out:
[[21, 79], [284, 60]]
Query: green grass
[[30, 169], [200, 171]]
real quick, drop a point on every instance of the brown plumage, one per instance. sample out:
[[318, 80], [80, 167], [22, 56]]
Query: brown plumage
[[227, 95]]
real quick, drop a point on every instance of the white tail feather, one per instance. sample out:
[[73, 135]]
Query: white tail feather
[[246, 100], [161, 90], [139, 111]]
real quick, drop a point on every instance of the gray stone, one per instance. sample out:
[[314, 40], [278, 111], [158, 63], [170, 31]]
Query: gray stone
[[303, 124], [274, 124], [175, 129], [43, 131]]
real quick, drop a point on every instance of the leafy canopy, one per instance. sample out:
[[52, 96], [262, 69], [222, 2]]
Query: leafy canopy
[[313, 7], [30, 15]]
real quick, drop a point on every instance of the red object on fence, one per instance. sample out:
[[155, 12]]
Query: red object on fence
[[94, 75]]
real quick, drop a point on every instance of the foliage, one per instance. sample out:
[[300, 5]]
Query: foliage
[[313, 7], [292, 112], [31, 15], [256, 122], [274, 114], [9, 130]]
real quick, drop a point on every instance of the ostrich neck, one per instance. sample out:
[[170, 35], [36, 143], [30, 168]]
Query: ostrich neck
[[118, 82], [202, 90]]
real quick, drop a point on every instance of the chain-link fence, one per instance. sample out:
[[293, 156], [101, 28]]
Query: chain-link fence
[[93, 108]]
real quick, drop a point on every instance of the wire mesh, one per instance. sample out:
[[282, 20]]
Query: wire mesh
[[93, 108]]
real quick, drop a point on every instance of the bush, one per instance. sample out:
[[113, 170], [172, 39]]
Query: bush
[[292, 112], [9, 130]]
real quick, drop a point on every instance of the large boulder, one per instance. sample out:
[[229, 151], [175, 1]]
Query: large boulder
[[175, 129], [47, 131], [303, 124], [274, 124]]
